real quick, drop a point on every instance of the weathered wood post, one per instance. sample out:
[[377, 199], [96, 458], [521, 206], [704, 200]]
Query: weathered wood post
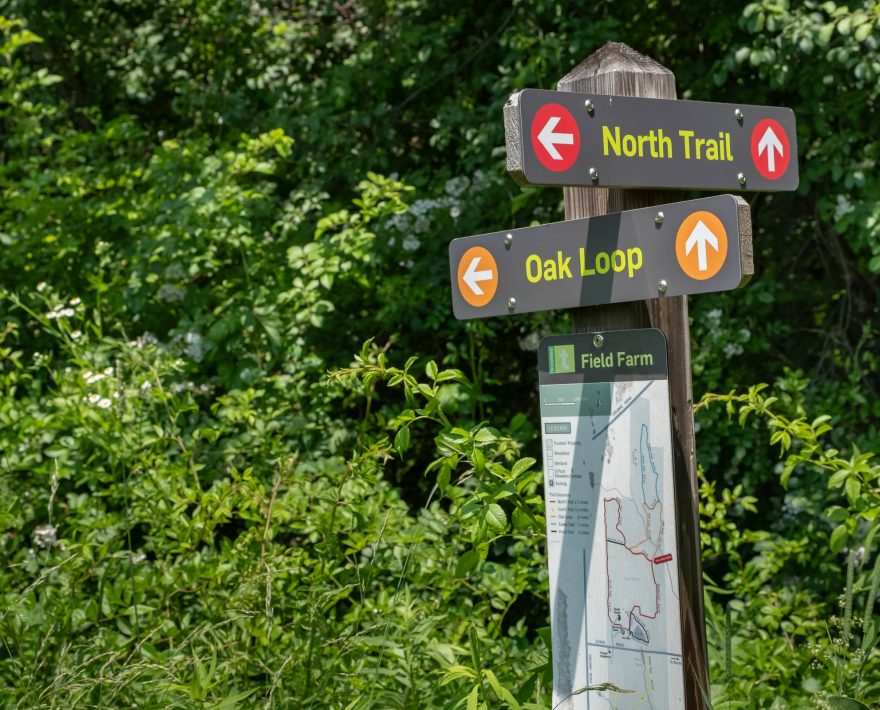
[[616, 69]]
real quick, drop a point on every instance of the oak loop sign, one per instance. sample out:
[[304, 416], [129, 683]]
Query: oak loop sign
[[698, 246], [564, 138]]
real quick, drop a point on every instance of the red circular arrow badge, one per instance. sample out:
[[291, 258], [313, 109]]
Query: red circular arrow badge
[[556, 139], [770, 149]]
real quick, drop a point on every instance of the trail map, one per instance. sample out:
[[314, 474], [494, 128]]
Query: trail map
[[611, 538]]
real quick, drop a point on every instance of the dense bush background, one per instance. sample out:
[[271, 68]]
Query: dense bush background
[[206, 207]]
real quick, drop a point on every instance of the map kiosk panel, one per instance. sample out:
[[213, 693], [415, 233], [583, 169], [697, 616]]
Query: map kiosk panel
[[611, 527]]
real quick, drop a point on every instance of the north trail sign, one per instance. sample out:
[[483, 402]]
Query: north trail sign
[[565, 138]]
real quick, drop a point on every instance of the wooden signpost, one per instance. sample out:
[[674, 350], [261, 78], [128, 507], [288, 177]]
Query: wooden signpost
[[617, 404]]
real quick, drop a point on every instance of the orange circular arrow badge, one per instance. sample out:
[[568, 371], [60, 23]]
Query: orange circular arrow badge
[[477, 276], [701, 245]]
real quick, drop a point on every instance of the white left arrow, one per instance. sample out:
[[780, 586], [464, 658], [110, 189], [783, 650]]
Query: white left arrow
[[550, 140], [771, 145], [699, 238], [472, 277]]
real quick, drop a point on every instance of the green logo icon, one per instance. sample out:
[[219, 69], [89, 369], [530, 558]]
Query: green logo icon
[[561, 358]]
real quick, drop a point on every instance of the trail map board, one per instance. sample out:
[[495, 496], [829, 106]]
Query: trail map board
[[611, 520]]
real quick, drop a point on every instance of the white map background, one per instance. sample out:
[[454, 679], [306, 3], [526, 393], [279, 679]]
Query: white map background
[[611, 544]]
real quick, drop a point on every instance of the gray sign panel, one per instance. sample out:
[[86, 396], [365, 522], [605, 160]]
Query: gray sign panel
[[698, 246], [563, 138], [612, 526]]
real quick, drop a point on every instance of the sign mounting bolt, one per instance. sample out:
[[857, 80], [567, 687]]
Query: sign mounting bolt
[[662, 285], [742, 178], [508, 239], [739, 115], [589, 106], [658, 219], [598, 340], [594, 175], [511, 303]]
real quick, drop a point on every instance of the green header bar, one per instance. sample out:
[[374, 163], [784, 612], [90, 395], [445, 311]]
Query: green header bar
[[603, 357]]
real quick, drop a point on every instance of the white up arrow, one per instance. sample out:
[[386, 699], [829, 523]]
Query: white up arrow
[[701, 236], [472, 277], [550, 140], [771, 145]]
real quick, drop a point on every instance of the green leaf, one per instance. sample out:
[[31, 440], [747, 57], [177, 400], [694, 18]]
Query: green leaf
[[454, 673], [499, 690], [838, 478], [837, 514], [496, 518], [838, 538], [401, 440], [473, 698], [466, 563], [431, 370], [486, 435], [447, 375], [522, 465], [852, 487], [230, 702], [840, 702]]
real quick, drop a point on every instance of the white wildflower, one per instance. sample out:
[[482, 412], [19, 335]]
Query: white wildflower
[[41, 286], [410, 243], [104, 403], [146, 385], [170, 293], [75, 301], [94, 398], [455, 211], [194, 348], [45, 536], [732, 349], [529, 343], [457, 186], [108, 370], [175, 271], [76, 335], [843, 207]]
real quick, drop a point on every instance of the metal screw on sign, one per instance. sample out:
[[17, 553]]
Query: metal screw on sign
[[658, 220], [742, 178], [511, 303], [589, 106], [508, 240], [739, 115], [598, 340], [662, 285], [594, 174]]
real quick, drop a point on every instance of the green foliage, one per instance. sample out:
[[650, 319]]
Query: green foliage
[[766, 627]]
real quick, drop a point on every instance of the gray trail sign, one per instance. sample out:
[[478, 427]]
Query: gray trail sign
[[565, 138], [698, 246]]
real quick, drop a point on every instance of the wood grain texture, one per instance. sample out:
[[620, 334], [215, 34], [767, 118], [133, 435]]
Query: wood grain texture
[[616, 69]]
